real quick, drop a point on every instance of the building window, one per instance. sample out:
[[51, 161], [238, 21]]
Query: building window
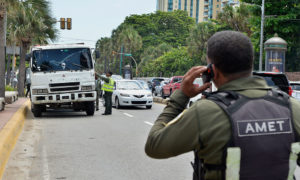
[[185, 5], [179, 5], [210, 12], [170, 5], [197, 11], [191, 10], [218, 6]]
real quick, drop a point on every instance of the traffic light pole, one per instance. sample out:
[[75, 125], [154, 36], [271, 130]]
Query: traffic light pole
[[261, 34]]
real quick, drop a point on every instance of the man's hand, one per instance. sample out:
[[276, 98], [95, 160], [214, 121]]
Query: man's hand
[[187, 86]]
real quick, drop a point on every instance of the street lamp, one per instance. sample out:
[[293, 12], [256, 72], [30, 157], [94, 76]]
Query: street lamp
[[128, 55], [136, 67], [261, 34]]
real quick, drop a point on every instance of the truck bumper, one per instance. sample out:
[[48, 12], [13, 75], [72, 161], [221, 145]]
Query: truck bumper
[[64, 97]]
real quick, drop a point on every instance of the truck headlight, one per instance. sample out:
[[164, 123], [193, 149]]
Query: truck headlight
[[86, 88], [39, 91]]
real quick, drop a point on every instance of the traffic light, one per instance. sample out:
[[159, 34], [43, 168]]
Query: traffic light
[[69, 23], [62, 23]]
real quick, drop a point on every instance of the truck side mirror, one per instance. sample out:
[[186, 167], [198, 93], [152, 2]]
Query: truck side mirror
[[97, 53], [27, 57]]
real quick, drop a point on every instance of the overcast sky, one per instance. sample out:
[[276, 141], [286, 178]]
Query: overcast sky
[[93, 19]]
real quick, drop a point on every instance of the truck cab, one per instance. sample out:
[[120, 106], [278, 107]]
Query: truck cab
[[62, 76]]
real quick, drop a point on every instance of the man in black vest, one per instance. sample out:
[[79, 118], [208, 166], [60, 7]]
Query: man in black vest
[[245, 122]]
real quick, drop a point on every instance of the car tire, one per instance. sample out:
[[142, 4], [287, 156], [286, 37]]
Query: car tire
[[90, 108], [171, 92], [117, 103], [37, 110], [149, 107], [163, 95]]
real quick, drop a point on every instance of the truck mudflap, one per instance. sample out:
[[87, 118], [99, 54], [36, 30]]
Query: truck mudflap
[[64, 97]]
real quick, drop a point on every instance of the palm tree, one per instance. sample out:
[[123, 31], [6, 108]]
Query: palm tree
[[237, 18], [4, 4], [32, 24], [198, 39]]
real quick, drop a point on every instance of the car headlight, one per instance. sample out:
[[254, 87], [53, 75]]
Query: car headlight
[[149, 95], [125, 95], [39, 91], [86, 88]]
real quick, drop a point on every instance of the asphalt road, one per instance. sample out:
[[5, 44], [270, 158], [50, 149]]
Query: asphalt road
[[70, 145]]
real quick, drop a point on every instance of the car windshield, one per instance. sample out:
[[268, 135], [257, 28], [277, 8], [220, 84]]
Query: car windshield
[[61, 59], [116, 77], [295, 86], [129, 85], [144, 84]]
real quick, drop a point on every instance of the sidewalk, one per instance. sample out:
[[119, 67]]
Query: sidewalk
[[11, 124]]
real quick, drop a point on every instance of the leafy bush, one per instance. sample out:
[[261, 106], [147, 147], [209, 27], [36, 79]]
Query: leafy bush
[[9, 88]]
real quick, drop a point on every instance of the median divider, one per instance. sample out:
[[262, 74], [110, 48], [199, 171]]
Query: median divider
[[10, 133]]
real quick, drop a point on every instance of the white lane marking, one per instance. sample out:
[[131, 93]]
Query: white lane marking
[[129, 115], [149, 123], [46, 172]]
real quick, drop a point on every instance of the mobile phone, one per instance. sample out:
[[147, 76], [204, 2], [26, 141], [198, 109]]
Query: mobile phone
[[208, 75]]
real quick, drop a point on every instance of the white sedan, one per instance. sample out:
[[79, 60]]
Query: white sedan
[[131, 93]]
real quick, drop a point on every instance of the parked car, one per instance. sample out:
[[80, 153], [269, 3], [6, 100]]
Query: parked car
[[158, 89], [277, 80], [131, 93], [171, 86], [199, 82], [296, 89], [144, 85], [154, 82]]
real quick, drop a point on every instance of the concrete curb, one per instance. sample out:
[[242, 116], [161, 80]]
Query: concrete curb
[[10, 133]]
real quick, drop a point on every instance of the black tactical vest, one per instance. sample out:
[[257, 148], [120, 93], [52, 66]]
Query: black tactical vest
[[263, 129]]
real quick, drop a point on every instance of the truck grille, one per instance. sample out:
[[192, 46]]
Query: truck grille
[[64, 87]]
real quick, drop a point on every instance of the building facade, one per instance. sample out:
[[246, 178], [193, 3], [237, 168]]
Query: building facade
[[201, 10]]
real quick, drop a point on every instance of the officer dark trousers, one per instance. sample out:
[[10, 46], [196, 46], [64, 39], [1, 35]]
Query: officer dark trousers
[[108, 103]]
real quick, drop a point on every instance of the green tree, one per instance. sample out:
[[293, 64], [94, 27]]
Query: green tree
[[174, 62], [30, 26], [197, 41], [286, 24], [236, 18], [4, 4], [152, 53]]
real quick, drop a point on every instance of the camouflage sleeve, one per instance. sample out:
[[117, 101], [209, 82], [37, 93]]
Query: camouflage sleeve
[[175, 130]]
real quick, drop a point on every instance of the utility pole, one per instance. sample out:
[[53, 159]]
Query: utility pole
[[121, 59], [261, 34]]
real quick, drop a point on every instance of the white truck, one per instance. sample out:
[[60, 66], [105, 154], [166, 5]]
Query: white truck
[[62, 76]]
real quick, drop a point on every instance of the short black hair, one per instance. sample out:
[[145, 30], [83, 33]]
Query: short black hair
[[109, 72], [230, 51]]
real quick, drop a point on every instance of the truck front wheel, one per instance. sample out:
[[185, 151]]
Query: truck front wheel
[[37, 110], [90, 108]]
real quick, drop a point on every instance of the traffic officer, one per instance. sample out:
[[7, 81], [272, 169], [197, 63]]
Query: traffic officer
[[246, 130], [108, 88], [98, 89]]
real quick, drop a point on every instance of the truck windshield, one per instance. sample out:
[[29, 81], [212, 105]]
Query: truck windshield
[[61, 59]]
